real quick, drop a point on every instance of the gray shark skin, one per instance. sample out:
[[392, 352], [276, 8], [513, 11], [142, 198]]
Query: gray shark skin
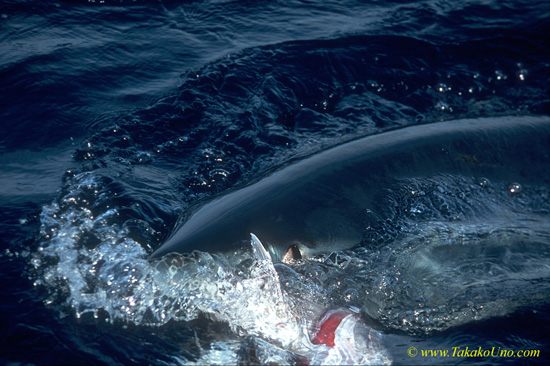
[[324, 202]]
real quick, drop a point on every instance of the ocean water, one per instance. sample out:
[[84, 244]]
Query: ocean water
[[118, 117]]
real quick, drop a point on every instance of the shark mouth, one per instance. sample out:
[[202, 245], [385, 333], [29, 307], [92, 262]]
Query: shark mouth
[[347, 338], [339, 336]]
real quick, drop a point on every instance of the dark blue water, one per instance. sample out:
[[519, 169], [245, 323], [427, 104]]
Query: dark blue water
[[117, 116]]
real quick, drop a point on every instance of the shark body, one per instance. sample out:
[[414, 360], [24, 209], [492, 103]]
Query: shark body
[[324, 202]]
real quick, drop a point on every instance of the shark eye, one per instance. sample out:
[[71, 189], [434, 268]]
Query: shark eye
[[292, 253]]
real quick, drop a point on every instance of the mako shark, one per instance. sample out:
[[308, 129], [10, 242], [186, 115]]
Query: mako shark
[[324, 202]]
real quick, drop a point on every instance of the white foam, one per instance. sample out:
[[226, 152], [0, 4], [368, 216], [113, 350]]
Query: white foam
[[115, 278]]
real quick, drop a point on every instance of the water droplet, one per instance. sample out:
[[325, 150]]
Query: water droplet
[[218, 173], [515, 188], [442, 88], [351, 294], [483, 182], [444, 107], [142, 158], [500, 75]]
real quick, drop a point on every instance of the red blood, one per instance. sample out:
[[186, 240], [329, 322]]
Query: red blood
[[325, 334]]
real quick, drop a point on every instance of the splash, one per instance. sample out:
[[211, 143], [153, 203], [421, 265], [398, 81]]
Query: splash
[[271, 310], [447, 263]]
